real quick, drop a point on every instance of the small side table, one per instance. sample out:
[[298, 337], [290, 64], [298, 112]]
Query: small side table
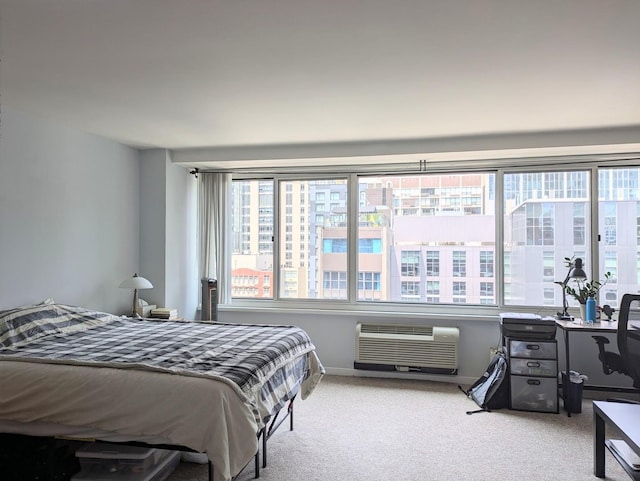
[[624, 417]]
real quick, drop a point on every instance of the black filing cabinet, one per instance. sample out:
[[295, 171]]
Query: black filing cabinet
[[533, 374]]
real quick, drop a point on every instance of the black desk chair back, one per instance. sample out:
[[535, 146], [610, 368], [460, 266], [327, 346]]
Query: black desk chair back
[[611, 361], [629, 336], [627, 362]]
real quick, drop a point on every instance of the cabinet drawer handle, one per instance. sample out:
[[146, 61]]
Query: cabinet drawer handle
[[533, 382], [533, 364], [533, 347]]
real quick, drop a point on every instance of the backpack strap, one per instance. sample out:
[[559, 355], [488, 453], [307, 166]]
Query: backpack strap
[[465, 392], [484, 410]]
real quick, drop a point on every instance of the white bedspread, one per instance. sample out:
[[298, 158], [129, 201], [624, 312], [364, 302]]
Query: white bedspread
[[198, 413], [66, 370]]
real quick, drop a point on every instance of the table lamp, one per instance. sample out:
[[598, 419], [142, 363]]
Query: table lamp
[[575, 272], [136, 282]]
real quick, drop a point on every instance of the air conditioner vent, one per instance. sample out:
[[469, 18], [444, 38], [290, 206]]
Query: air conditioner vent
[[406, 347], [396, 329]]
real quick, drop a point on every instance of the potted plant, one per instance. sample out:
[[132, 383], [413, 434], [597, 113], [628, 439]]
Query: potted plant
[[584, 288]]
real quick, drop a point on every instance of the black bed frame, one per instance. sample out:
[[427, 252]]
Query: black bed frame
[[264, 434]]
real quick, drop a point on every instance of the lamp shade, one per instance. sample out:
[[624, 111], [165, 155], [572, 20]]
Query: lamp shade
[[577, 272], [136, 282]]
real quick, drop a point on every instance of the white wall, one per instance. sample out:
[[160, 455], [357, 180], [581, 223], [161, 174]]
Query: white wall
[[69, 213], [334, 336], [168, 233]]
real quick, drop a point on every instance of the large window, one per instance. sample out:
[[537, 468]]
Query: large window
[[544, 221], [619, 221], [252, 238], [430, 238], [438, 227], [314, 252]]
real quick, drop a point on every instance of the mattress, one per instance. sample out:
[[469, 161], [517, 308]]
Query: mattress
[[207, 387]]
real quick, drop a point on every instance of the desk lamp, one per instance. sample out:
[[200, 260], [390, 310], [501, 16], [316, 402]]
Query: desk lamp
[[575, 272], [136, 282]]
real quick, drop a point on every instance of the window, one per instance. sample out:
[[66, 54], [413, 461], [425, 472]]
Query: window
[[542, 210], [330, 246], [410, 263], [433, 263], [539, 223], [430, 237], [433, 291], [459, 292], [610, 221], [410, 290], [579, 224], [252, 235], [486, 263], [618, 212], [459, 264], [368, 286], [322, 245], [334, 285], [370, 246], [335, 280], [549, 297], [486, 293], [548, 266], [425, 221]]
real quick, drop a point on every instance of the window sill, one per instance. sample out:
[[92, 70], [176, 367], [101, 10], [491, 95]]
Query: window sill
[[471, 313]]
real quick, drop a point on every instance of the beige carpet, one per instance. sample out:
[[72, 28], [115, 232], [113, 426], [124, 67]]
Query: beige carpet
[[366, 429]]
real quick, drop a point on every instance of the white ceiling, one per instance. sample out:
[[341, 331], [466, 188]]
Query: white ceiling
[[183, 74]]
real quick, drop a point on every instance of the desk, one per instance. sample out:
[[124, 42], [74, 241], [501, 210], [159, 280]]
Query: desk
[[572, 326], [624, 417]]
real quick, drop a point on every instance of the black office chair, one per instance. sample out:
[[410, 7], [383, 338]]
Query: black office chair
[[629, 336], [611, 361], [627, 361]]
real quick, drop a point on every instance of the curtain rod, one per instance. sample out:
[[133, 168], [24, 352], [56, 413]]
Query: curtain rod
[[425, 165]]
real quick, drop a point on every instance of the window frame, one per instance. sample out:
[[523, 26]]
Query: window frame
[[500, 282]]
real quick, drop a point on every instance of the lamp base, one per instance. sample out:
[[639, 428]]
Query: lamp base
[[134, 311], [563, 317]]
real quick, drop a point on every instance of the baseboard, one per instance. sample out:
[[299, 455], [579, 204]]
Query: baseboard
[[340, 371]]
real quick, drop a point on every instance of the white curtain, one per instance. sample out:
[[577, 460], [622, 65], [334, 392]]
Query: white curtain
[[214, 226]]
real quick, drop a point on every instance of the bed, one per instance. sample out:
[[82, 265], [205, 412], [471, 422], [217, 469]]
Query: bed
[[206, 387]]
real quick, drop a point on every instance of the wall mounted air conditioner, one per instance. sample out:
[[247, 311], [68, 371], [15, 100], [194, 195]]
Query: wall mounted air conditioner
[[394, 347]]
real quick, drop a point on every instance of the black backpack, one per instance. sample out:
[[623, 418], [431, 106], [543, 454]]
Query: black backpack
[[491, 391]]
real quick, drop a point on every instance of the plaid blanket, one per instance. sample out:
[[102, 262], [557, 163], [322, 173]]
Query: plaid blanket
[[244, 356], [266, 366]]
